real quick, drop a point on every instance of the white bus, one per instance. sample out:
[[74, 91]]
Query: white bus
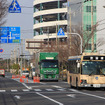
[[87, 70]]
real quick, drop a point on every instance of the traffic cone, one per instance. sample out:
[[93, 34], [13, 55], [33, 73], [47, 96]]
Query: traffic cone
[[38, 80], [20, 79], [13, 76], [34, 79]]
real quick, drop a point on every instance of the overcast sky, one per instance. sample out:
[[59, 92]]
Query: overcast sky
[[24, 20]]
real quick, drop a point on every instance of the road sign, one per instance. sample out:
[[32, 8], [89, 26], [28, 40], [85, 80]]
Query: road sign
[[9, 34], [14, 7], [1, 50], [60, 32]]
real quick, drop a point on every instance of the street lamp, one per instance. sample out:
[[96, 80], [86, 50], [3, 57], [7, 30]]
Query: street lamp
[[80, 40]]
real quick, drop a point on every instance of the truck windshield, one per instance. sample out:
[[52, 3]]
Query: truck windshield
[[49, 64], [93, 68]]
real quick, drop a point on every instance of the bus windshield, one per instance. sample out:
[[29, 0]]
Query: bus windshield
[[93, 68], [49, 64]]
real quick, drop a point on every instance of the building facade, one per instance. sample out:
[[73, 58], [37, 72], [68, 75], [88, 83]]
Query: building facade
[[90, 14], [49, 16]]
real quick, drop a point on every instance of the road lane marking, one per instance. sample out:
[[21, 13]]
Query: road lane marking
[[92, 95], [26, 86], [49, 89], [61, 89], [71, 95], [26, 90], [16, 96], [2, 90], [14, 90], [56, 86], [49, 98], [23, 84], [38, 90]]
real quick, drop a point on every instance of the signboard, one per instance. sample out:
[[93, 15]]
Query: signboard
[[60, 32], [1, 50], [9, 34], [14, 7]]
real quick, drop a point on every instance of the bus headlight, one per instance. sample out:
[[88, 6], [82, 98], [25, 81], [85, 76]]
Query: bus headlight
[[82, 81]]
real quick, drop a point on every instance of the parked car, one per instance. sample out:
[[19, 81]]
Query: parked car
[[2, 72], [32, 72], [26, 73]]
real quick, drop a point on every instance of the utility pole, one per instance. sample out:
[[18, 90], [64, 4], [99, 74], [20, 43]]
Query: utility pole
[[56, 36], [70, 31], [21, 56], [48, 36], [92, 43], [18, 54]]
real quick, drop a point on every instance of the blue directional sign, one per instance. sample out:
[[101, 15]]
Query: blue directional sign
[[60, 32], [9, 34], [14, 7]]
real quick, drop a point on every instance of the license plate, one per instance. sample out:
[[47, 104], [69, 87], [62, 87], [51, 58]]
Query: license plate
[[96, 85]]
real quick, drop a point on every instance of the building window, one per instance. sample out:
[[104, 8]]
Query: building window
[[88, 8], [88, 47], [88, 27]]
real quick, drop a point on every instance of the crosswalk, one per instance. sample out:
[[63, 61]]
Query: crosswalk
[[35, 90]]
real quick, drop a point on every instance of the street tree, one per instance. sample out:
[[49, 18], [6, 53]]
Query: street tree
[[3, 11]]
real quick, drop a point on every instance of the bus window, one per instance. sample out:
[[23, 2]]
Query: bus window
[[93, 67]]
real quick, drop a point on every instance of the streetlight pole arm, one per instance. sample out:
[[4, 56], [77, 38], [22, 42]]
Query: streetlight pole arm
[[80, 39]]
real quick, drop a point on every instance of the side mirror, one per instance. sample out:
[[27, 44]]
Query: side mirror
[[78, 65]]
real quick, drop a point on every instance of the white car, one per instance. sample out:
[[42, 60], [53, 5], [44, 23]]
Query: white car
[[26, 73]]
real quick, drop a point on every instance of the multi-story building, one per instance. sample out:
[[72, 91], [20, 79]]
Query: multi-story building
[[49, 16], [88, 14]]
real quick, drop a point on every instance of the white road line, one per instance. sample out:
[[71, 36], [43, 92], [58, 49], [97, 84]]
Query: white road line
[[26, 86], [92, 95], [2, 90], [56, 86], [49, 89], [23, 84], [14, 90], [38, 90], [26, 90], [49, 98], [71, 95], [61, 89]]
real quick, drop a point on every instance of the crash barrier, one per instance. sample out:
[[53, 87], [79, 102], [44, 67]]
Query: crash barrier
[[15, 76], [36, 79], [24, 79]]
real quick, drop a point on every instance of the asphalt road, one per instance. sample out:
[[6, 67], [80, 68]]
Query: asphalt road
[[12, 92]]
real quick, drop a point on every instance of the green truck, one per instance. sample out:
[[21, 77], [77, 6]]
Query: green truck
[[48, 66]]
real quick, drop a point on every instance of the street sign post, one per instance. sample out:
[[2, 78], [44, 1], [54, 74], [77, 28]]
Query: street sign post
[[14, 7], [9, 34], [60, 32]]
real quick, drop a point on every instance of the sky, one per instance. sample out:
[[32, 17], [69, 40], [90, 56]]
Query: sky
[[23, 20]]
